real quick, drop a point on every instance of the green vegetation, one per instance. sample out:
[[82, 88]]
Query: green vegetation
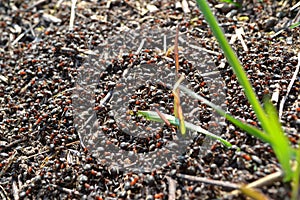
[[153, 116]]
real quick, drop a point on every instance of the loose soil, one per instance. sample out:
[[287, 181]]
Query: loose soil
[[44, 154]]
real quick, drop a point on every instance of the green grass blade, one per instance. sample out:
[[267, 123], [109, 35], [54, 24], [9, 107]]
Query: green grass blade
[[294, 25], [153, 116], [280, 142], [235, 64], [244, 126], [296, 175], [231, 2]]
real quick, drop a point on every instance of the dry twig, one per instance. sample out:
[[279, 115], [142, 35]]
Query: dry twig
[[225, 184], [72, 16], [4, 194], [15, 190], [267, 180], [66, 190], [281, 106], [10, 161], [172, 188], [240, 32]]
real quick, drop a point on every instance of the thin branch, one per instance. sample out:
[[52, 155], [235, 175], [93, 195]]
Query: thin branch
[[15, 190], [23, 34], [66, 190], [267, 180], [176, 54], [10, 161], [4, 194], [172, 188], [240, 32], [49, 149], [225, 184], [12, 144], [72, 16], [36, 4], [163, 117], [281, 106]]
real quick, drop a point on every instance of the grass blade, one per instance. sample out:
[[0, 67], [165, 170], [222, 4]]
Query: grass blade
[[235, 64], [153, 116], [177, 106], [244, 126], [253, 193], [296, 175], [280, 142], [294, 25]]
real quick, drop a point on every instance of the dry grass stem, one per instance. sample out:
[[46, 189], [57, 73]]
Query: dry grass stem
[[296, 73]]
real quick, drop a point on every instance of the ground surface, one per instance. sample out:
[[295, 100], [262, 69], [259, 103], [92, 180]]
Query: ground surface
[[41, 154]]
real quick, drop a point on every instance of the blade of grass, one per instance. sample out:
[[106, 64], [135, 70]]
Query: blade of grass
[[280, 142], [177, 106], [295, 179], [153, 116], [176, 54], [235, 64], [176, 57], [231, 2], [253, 193], [294, 25], [244, 126]]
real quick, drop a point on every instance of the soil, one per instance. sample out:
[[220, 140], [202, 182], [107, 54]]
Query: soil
[[59, 86]]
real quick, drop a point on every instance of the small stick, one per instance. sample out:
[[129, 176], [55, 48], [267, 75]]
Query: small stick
[[66, 190], [176, 52], [275, 95], [141, 46], [289, 87], [23, 34], [185, 7], [295, 6], [4, 194], [239, 32], [10, 161], [12, 144], [72, 16], [15, 190], [36, 4], [267, 180], [3, 79], [162, 117], [206, 50], [56, 148], [225, 184], [172, 188]]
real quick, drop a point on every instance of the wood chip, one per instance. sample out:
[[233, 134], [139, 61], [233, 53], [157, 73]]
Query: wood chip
[[275, 95], [3, 79], [185, 6], [51, 18], [152, 8]]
